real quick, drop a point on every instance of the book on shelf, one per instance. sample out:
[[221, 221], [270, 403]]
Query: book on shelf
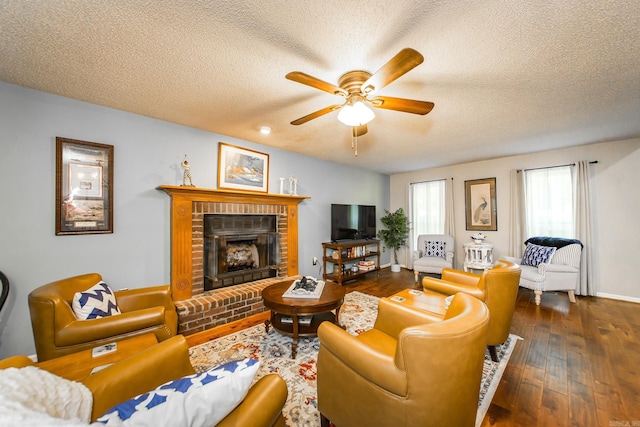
[[307, 287], [366, 265], [302, 320]]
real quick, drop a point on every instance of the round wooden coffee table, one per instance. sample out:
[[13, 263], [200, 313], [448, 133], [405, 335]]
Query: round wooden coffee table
[[293, 308]]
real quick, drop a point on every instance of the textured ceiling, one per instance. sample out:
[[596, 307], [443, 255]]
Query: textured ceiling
[[506, 77]]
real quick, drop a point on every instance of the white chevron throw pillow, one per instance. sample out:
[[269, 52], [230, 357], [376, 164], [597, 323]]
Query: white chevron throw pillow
[[97, 301]]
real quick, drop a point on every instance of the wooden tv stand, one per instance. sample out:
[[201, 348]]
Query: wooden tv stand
[[342, 255]]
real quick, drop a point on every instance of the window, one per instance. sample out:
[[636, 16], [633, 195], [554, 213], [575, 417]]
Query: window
[[549, 202], [427, 207]]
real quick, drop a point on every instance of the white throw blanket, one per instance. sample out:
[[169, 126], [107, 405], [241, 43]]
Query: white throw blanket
[[31, 396]]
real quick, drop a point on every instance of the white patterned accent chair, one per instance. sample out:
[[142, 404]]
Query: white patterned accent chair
[[433, 253], [550, 264]]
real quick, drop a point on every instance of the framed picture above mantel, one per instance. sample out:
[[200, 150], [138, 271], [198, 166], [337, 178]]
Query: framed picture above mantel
[[84, 187], [480, 204], [242, 169]]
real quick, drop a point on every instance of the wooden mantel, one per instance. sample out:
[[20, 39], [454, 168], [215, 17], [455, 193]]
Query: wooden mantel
[[182, 199]]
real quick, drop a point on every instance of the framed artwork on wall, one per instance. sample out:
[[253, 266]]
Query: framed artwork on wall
[[242, 169], [480, 204], [84, 187]]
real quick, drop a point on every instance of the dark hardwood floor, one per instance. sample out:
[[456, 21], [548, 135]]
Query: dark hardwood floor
[[577, 364]]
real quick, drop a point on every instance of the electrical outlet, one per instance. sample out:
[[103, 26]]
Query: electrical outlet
[[315, 260], [384, 249]]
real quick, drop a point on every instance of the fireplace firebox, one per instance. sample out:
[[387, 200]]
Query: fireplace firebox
[[239, 249]]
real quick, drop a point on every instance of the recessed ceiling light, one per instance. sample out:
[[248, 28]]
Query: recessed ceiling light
[[265, 130]]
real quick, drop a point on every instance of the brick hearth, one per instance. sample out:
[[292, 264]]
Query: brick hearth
[[199, 310], [221, 306]]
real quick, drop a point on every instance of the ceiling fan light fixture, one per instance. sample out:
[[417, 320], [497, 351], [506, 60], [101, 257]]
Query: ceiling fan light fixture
[[355, 113]]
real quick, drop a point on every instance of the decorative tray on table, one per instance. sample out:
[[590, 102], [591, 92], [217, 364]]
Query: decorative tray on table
[[307, 287]]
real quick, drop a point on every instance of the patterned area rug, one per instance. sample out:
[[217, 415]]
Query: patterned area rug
[[358, 313]]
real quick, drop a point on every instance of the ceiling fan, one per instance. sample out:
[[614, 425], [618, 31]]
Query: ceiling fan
[[359, 87]]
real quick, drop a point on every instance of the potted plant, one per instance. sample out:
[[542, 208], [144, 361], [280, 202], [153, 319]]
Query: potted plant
[[395, 233]]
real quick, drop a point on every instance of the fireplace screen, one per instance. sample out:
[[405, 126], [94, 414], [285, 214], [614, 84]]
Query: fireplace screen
[[239, 249]]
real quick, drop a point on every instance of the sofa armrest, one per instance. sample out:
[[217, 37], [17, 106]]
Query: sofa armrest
[[19, 361], [454, 281], [262, 406], [449, 257], [376, 364], [82, 331], [137, 374], [451, 288], [417, 254], [393, 317], [459, 276], [137, 299], [545, 267]]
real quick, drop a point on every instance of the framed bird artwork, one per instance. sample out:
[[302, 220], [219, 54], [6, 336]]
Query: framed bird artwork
[[480, 204]]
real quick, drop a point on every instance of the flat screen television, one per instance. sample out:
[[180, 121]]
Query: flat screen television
[[353, 222]]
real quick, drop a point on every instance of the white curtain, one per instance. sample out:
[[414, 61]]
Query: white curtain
[[583, 227], [517, 226], [429, 204], [449, 221], [549, 204], [428, 207]]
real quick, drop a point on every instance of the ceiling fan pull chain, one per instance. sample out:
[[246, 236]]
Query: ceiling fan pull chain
[[355, 138]]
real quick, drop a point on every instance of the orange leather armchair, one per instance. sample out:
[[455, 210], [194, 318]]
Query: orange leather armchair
[[497, 287], [58, 332], [134, 375], [169, 360], [409, 370]]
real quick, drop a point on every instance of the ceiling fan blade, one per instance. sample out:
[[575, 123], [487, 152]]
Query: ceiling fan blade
[[359, 130], [306, 79], [406, 60], [402, 104], [316, 114]]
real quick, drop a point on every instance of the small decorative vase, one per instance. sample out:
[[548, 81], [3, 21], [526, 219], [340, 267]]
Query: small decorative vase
[[478, 237]]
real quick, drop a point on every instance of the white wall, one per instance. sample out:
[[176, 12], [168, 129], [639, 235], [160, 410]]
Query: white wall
[[148, 153], [615, 198]]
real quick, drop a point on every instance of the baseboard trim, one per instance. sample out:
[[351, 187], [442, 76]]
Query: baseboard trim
[[618, 297]]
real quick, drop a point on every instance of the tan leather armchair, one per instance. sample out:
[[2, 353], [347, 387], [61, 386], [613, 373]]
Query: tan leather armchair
[[169, 360], [58, 332], [497, 287], [409, 370]]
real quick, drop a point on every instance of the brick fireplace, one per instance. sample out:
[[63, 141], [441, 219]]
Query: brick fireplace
[[198, 309]]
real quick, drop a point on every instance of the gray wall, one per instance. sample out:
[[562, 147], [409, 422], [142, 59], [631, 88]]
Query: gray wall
[[148, 153], [615, 198]]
